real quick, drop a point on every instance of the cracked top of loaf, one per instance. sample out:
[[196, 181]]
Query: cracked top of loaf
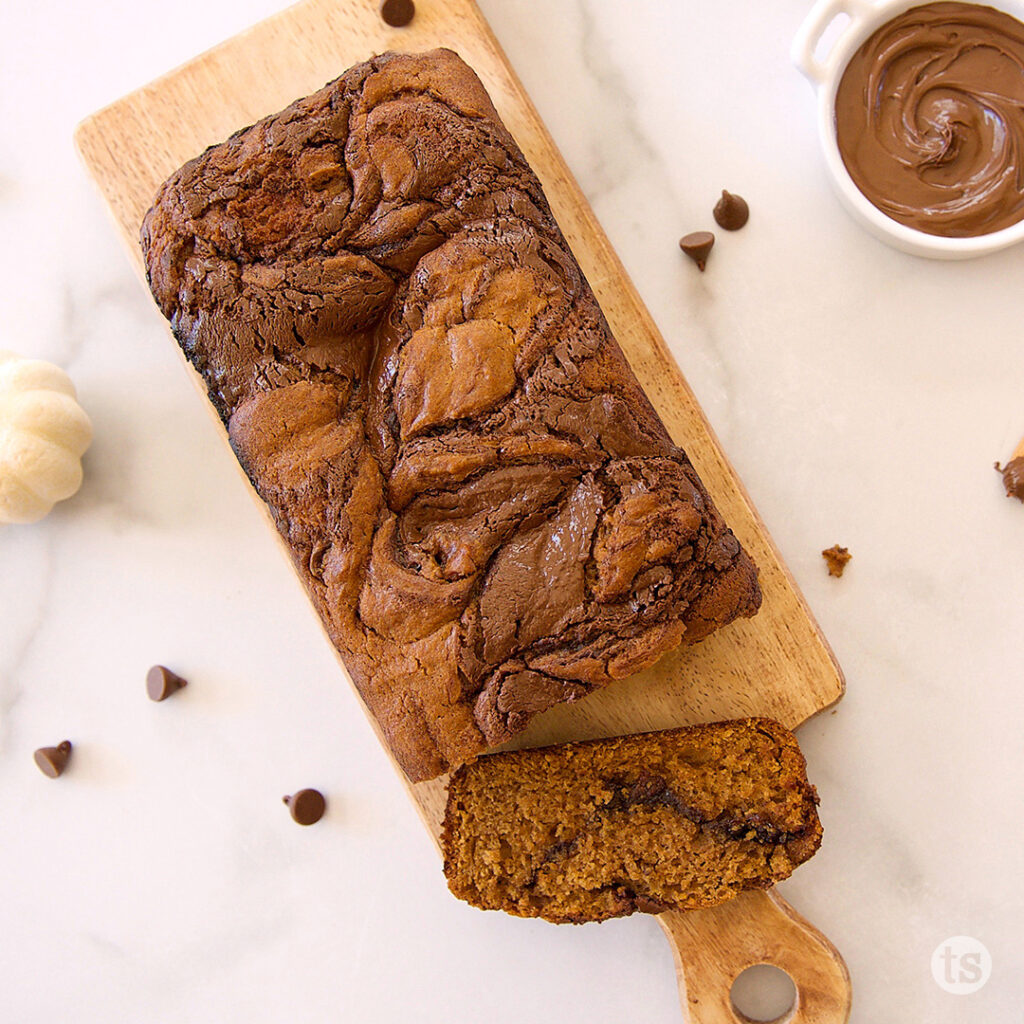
[[485, 509]]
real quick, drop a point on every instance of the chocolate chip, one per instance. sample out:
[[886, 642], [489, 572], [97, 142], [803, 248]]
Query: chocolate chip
[[647, 788], [1013, 477], [397, 13], [731, 211], [161, 682], [697, 245], [307, 806], [53, 760], [650, 905]]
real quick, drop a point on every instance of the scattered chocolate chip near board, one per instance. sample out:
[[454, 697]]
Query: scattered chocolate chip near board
[[1013, 474], [307, 806], [697, 245], [836, 559], [731, 211], [397, 13], [53, 760], [161, 682], [1013, 478]]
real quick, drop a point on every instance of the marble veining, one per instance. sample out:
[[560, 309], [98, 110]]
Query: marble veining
[[862, 394]]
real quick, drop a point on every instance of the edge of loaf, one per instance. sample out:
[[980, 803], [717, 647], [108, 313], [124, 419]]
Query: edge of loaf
[[484, 507]]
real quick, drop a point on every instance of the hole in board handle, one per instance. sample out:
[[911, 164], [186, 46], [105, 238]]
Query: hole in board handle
[[763, 993]]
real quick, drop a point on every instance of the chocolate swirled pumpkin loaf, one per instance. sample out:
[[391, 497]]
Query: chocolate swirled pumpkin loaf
[[485, 509], [672, 820]]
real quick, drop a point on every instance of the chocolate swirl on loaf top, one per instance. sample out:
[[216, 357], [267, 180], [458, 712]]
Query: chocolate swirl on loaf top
[[485, 508]]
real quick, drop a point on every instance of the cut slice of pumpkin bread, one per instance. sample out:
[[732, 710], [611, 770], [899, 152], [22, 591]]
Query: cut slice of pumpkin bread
[[657, 821]]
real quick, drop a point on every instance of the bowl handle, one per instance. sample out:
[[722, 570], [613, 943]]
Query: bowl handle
[[808, 36]]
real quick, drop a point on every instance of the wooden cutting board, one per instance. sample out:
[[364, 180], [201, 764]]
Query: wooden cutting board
[[777, 664]]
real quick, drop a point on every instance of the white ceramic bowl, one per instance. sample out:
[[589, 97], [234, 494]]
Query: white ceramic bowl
[[824, 74]]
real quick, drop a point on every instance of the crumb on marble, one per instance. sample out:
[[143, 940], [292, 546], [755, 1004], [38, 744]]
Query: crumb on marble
[[836, 559]]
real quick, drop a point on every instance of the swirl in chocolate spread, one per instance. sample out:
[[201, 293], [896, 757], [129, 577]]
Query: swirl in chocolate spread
[[930, 119]]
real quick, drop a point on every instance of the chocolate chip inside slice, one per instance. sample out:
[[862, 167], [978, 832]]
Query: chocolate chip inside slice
[[397, 13], [161, 682], [697, 245], [731, 211], [307, 806], [647, 905], [53, 760]]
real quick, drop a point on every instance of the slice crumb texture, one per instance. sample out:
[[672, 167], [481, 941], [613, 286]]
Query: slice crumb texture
[[680, 819]]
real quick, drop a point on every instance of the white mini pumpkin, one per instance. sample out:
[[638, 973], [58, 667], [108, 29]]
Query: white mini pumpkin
[[43, 434]]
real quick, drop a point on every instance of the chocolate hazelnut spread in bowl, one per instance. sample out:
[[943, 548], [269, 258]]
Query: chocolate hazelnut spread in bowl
[[921, 116]]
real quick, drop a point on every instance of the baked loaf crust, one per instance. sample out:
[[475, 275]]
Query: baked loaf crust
[[487, 512], [658, 821]]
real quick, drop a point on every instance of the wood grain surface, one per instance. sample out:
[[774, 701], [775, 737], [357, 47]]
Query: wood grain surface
[[777, 664], [712, 947]]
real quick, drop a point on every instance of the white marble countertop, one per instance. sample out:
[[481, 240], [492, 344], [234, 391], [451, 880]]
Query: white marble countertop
[[862, 395]]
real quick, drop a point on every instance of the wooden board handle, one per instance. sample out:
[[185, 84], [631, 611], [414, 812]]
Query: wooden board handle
[[712, 947]]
